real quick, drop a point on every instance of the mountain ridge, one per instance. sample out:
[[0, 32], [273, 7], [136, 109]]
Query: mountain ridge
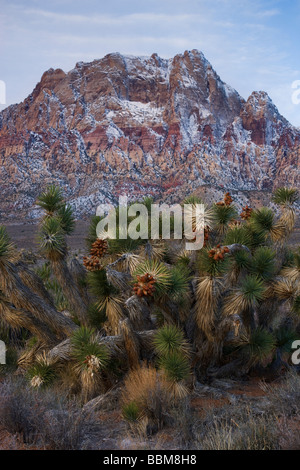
[[141, 126]]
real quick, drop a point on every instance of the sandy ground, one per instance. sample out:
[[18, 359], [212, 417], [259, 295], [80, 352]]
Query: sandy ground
[[117, 436], [25, 236]]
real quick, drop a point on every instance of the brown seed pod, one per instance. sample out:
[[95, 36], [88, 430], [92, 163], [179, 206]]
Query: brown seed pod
[[218, 253], [92, 263], [99, 248], [246, 213], [227, 199], [145, 285]]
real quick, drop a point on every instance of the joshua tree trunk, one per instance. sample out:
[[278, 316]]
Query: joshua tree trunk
[[131, 343], [139, 313], [20, 318], [115, 345], [79, 275], [70, 290], [24, 298], [33, 282]]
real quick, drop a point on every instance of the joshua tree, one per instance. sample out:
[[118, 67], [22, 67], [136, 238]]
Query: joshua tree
[[58, 222], [230, 307], [22, 297]]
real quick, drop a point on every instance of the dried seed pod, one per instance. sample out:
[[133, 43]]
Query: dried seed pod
[[92, 263], [227, 199], [218, 253], [246, 213], [145, 285], [99, 248]]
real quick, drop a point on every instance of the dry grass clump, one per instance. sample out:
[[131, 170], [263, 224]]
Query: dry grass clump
[[69, 428], [147, 398], [285, 398], [21, 412], [43, 419], [237, 427]]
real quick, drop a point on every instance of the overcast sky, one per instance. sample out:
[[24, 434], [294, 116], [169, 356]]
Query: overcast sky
[[252, 44]]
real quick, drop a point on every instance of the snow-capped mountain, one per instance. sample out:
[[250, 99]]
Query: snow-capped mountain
[[141, 126]]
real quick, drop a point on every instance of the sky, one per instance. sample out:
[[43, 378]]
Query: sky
[[252, 44]]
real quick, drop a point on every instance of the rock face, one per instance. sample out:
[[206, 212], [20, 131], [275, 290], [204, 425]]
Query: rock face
[[140, 126]]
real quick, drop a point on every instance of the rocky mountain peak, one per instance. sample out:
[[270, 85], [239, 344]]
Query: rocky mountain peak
[[141, 125]]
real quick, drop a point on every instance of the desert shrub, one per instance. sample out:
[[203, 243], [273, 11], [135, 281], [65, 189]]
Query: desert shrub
[[285, 398], [148, 389], [237, 427], [22, 411], [44, 418], [69, 428]]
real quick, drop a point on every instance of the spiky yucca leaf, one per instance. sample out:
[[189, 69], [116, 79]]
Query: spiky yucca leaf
[[253, 289], [263, 263], [192, 199], [258, 237], [292, 271], [90, 358], [99, 286], [240, 263], [131, 412], [155, 250], [175, 365], [288, 220], [96, 316], [284, 289], [130, 262], [87, 352], [242, 259], [259, 346], [92, 232], [66, 217], [128, 245], [169, 339], [108, 298], [51, 199], [207, 295], [222, 216], [44, 272], [208, 265], [60, 300], [197, 216], [179, 284], [113, 307], [149, 389], [52, 239], [263, 220], [7, 249], [285, 196], [183, 258], [159, 272], [247, 296], [240, 235], [42, 373], [285, 338]]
